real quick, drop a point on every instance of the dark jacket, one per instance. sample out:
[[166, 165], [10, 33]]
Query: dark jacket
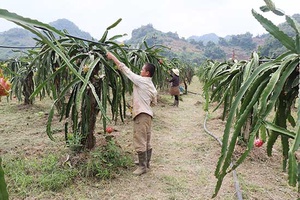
[[174, 81]]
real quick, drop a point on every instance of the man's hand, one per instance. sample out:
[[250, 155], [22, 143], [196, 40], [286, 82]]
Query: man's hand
[[111, 56]]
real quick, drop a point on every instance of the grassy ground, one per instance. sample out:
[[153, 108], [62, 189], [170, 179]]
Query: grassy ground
[[184, 157]]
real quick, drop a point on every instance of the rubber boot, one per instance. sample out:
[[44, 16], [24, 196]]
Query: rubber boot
[[142, 168], [172, 103], [176, 103], [149, 154]]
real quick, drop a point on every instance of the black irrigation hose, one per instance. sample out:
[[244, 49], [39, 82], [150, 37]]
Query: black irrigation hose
[[236, 182], [17, 47], [193, 92]]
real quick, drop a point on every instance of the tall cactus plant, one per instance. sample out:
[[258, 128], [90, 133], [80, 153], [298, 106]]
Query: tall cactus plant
[[272, 87], [78, 77]]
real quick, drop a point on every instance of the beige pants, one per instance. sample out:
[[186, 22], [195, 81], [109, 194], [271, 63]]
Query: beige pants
[[142, 132]]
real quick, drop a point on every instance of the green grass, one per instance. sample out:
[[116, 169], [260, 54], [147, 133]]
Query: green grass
[[107, 161], [34, 175], [37, 174]]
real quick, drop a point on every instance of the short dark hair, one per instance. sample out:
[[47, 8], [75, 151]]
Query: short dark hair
[[150, 68]]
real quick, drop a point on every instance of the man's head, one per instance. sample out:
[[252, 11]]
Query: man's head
[[148, 70]]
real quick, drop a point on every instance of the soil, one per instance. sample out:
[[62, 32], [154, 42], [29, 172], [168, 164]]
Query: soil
[[184, 155]]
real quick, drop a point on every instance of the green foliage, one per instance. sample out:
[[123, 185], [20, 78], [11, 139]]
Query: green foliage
[[225, 79], [273, 47], [214, 52], [271, 87], [21, 73], [107, 161], [39, 174], [18, 37], [3, 187], [76, 74], [54, 172], [223, 42], [245, 41], [74, 141]]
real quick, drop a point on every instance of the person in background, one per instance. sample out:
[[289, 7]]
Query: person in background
[[144, 97], [174, 89]]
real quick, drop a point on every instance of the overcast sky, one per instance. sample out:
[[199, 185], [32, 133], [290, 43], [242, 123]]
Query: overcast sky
[[185, 17]]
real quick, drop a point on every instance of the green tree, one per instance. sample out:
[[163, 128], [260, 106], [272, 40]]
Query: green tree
[[244, 41], [223, 42], [212, 51]]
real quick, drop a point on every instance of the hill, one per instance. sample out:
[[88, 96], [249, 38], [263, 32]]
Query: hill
[[14, 37], [194, 49], [71, 28], [205, 38], [19, 37]]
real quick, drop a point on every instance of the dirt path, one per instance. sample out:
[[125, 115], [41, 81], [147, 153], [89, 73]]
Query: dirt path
[[183, 164], [184, 157]]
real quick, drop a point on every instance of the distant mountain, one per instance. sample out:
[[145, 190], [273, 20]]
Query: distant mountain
[[19, 37], [177, 47], [14, 37], [71, 28], [205, 38], [195, 49]]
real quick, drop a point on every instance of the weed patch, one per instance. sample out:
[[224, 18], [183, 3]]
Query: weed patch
[[107, 161]]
